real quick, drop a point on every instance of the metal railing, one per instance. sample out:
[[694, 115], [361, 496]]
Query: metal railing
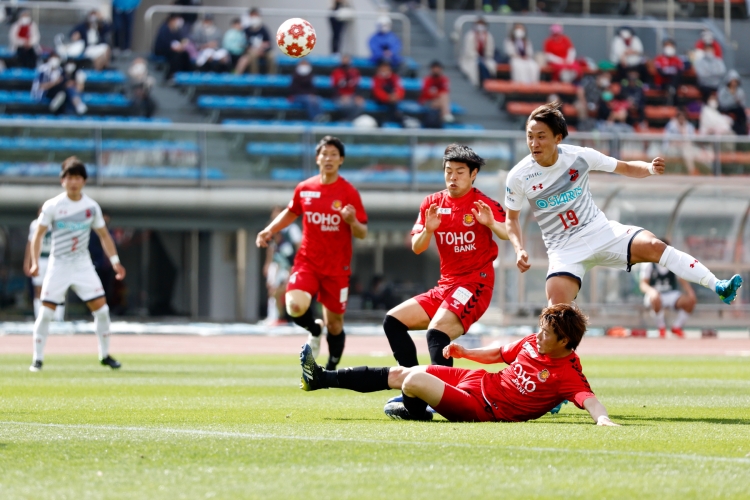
[[36, 7], [311, 13]]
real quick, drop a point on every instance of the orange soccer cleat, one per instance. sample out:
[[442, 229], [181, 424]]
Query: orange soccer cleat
[[678, 331]]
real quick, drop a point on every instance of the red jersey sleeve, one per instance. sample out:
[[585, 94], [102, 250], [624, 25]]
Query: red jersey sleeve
[[295, 204], [419, 225], [356, 200], [575, 387], [497, 208], [509, 352]]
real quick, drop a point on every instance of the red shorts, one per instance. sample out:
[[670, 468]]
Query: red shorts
[[462, 399], [332, 291], [468, 301]]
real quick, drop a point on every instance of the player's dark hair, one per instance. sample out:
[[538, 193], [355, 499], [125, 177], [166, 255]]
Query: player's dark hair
[[463, 154], [73, 166], [330, 140], [551, 115], [566, 321]]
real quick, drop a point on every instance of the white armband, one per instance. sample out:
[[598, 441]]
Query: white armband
[[115, 259], [651, 169]]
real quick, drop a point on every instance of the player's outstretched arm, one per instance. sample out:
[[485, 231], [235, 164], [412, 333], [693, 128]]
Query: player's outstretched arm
[[36, 249], [421, 241], [485, 355], [513, 226], [598, 412], [483, 214], [281, 221], [349, 214], [641, 169], [111, 251]]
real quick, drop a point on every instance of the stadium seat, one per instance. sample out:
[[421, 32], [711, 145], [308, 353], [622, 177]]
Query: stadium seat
[[352, 150], [82, 119], [366, 175], [9, 169], [16, 99], [530, 91], [525, 108], [328, 62], [72, 144]]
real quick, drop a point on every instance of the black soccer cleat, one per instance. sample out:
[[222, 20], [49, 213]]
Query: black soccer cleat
[[397, 411], [111, 362], [311, 371], [36, 366]]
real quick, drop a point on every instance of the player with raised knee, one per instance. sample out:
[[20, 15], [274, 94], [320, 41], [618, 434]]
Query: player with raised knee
[[71, 216], [543, 370], [332, 212], [463, 221], [554, 179], [659, 286]]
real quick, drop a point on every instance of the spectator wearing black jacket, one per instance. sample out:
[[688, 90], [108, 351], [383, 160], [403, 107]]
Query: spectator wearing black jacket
[[171, 43], [303, 90], [94, 33], [258, 46]]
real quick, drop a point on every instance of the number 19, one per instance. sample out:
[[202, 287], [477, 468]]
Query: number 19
[[571, 217]]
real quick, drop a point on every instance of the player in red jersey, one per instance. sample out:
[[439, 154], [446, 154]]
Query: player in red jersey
[[332, 212], [543, 370]]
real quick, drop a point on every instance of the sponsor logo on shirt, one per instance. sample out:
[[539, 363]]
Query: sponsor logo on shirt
[[527, 347], [444, 211], [509, 190], [462, 242], [539, 186], [310, 194], [327, 222], [462, 295], [560, 199], [543, 375], [532, 176], [72, 226], [469, 220], [523, 381]]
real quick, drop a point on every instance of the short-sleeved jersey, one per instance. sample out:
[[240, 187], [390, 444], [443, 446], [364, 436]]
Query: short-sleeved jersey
[[46, 241], [559, 195], [71, 223], [466, 247], [534, 383], [659, 277], [326, 239]]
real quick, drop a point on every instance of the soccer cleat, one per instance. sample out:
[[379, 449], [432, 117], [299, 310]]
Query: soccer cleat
[[557, 408], [400, 399], [662, 333], [111, 362], [678, 332], [397, 411], [311, 371], [36, 366], [314, 342], [727, 289]]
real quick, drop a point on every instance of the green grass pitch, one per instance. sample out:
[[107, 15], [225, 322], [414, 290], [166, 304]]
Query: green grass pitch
[[238, 427]]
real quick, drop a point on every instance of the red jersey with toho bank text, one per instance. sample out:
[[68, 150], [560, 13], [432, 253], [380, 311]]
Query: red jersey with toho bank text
[[326, 246], [466, 247]]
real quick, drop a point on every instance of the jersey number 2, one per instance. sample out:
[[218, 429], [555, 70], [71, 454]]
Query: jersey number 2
[[75, 244], [571, 217]]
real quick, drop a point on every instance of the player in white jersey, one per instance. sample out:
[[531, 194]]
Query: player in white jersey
[[71, 216], [554, 179], [36, 281]]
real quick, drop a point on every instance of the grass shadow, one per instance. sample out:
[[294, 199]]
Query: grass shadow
[[707, 420]]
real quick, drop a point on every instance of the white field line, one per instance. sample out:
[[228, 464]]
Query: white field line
[[262, 436]]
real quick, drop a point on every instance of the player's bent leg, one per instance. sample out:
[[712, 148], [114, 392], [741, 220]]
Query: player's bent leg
[[336, 337], [645, 247], [684, 305], [407, 315], [444, 327], [420, 384], [562, 289], [297, 302], [298, 307]]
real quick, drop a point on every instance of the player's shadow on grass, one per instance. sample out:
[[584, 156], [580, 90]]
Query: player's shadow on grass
[[707, 420], [345, 419]]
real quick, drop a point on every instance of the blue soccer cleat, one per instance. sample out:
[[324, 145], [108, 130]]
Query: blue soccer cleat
[[727, 289], [311, 371], [400, 399], [557, 408], [397, 411]]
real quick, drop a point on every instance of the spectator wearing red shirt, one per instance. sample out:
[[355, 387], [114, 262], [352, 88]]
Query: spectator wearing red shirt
[[707, 39], [24, 40], [388, 91], [436, 92], [560, 55], [543, 370], [345, 80], [669, 68]]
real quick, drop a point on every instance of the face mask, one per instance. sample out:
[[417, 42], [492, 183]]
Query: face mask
[[210, 29], [137, 70], [707, 38], [519, 34], [713, 103], [92, 19], [179, 23], [480, 27], [385, 28], [626, 35], [255, 21], [54, 63], [669, 51], [304, 69], [25, 21], [604, 83]]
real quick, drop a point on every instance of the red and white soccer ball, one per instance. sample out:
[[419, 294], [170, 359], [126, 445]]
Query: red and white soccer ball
[[296, 37]]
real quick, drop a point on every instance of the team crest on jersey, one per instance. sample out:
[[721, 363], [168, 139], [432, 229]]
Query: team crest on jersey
[[573, 174], [337, 205], [88, 213], [469, 220], [543, 375]]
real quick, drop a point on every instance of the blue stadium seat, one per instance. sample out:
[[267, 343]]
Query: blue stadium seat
[[62, 144], [83, 119], [9, 169], [331, 61], [198, 79], [23, 98], [285, 123], [352, 150], [22, 75], [394, 176]]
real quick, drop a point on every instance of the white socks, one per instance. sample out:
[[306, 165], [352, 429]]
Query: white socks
[[273, 312], [60, 313], [682, 316], [687, 268], [101, 327], [660, 323], [37, 305], [41, 331]]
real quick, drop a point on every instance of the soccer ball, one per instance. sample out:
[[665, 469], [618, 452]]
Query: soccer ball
[[296, 37]]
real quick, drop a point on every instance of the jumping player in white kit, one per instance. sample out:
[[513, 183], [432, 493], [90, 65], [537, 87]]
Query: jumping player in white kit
[[71, 216], [36, 281], [554, 179]]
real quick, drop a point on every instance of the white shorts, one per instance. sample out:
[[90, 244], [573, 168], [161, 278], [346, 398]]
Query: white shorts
[[39, 278], [276, 275], [79, 275], [609, 247], [668, 299]]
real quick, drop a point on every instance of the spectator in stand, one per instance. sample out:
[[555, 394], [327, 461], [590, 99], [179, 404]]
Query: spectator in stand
[[206, 38], [93, 32], [477, 59], [669, 68], [235, 41], [706, 40], [140, 88], [520, 51], [590, 102], [189, 17], [388, 91], [341, 14], [732, 101], [345, 80], [52, 82], [680, 126], [172, 42], [436, 95], [712, 122], [632, 92], [303, 90], [385, 45], [24, 40], [122, 20], [616, 118], [710, 71], [627, 53], [560, 55], [258, 46]]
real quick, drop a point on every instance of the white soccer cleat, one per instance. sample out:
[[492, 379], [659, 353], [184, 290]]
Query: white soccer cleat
[[36, 366], [314, 342]]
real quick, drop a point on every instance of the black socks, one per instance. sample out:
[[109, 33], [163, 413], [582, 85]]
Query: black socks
[[436, 341], [335, 349], [359, 379], [415, 406], [307, 321], [401, 343]]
